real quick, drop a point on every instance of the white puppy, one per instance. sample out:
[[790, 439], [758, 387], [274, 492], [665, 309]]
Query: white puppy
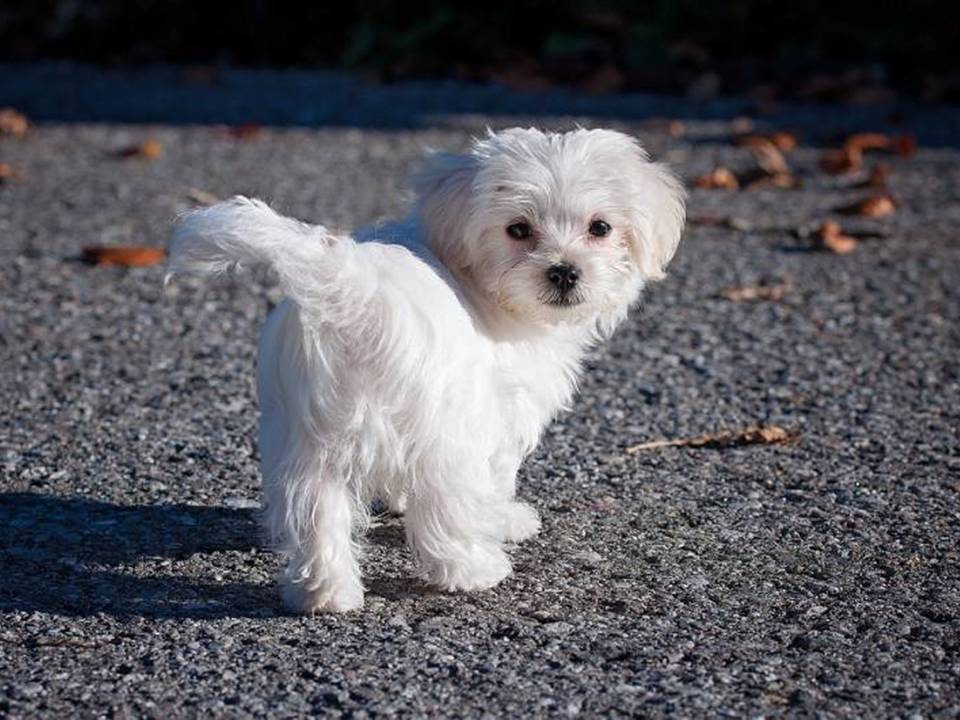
[[419, 362]]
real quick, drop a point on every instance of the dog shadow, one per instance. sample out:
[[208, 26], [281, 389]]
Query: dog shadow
[[80, 557]]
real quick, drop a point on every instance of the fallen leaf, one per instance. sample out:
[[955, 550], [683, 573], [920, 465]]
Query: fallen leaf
[[749, 293], [720, 179], [783, 140], [780, 139], [830, 237], [122, 256], [246, 131], [13, 123], [904, 145], [850, 157], [149, 149], [8, 172], [867, 141], [783, 180], [673, 128], [841, 162], [676, 128], [752, 435], [201, 197], [727, 221], [873, 206], [766, 154]]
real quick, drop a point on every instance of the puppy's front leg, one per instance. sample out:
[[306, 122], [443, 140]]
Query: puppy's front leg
[[452, 528], [517, 520]]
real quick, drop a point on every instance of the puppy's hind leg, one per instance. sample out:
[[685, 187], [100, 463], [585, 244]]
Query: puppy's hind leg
[[322, 574], [312, 512]]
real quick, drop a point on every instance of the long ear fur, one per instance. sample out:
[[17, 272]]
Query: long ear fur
[[660, 212], [443, 187]]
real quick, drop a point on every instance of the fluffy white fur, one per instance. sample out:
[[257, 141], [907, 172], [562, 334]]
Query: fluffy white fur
[[418, 362]]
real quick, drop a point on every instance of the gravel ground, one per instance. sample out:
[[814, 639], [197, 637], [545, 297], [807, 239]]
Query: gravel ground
[[818, 578]]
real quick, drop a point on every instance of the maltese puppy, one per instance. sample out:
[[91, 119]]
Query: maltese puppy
[[418, 362]]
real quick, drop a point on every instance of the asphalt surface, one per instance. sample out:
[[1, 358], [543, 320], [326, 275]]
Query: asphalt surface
[[818, 578]]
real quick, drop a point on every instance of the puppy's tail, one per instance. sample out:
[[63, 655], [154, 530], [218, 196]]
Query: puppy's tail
[[244, 233]]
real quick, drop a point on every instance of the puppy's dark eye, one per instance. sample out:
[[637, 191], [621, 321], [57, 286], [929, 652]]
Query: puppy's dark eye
[[598, 228], [520, 231]]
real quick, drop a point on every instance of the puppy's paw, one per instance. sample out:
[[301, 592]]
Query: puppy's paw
[[520, 522], [478, 568], [329, 597]]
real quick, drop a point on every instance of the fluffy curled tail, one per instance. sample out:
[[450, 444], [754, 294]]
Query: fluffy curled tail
[[245, 233]]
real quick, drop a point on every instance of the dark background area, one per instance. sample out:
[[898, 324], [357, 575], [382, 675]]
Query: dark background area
[[848, 51]]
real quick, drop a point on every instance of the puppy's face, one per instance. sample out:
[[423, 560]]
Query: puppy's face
[[553, 228]]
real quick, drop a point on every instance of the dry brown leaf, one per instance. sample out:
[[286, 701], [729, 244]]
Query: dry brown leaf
[[752, 435], [149, 149], [877, 206], [850, 157], [777, 180], [780, 139], [13, 122], [720, 179], [246, 131], [783, 140], [830, 237], [867, 141], [750, 293], [904, 145], [8, 172], [840, 162], [673, 128], [873, 206], [766, 154], [122, 256], [727, 221]]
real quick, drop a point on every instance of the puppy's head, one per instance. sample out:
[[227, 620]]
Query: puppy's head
[[553, 228]]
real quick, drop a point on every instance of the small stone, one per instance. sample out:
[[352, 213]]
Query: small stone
[[399, 622], [27, 691], [557, 628], [589, 557]]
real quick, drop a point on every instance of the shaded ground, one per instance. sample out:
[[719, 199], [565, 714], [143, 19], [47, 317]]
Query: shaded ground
[[817, 577]]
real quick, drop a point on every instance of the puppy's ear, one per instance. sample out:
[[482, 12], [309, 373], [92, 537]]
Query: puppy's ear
[[443, 185], [659, 210]]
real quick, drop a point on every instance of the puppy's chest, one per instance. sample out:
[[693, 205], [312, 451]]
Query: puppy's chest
[[532, 393]]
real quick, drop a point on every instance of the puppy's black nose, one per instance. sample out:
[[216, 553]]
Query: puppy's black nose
[[563, 277]]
